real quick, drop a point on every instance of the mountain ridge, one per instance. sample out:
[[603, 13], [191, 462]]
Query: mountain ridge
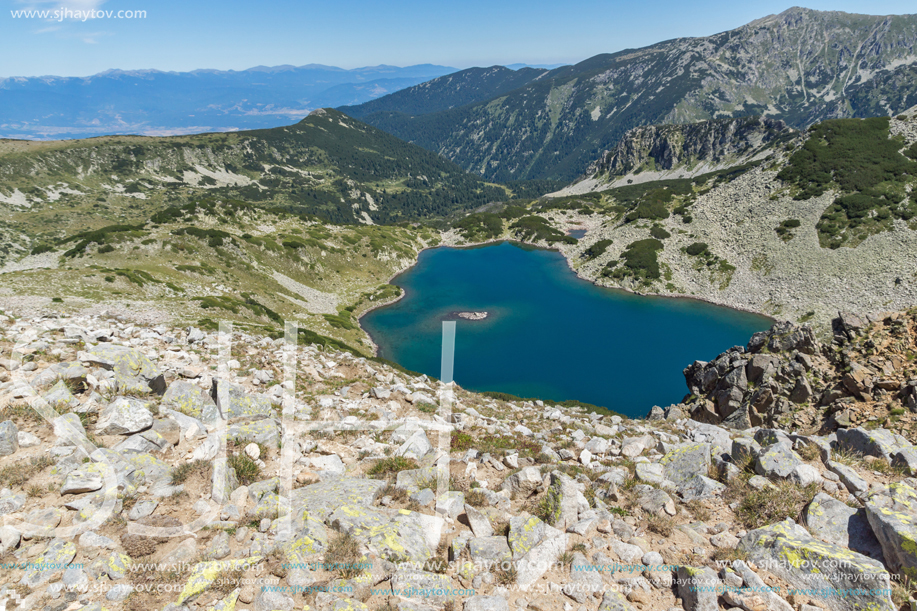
[[782, 66]]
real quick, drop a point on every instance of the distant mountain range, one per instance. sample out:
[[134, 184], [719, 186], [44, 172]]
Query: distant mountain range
[[151, 102], [801, 67]]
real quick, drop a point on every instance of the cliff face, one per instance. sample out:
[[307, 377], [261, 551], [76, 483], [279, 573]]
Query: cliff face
[[707, 144]]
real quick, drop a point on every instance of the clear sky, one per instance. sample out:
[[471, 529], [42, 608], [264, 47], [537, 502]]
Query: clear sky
[[236, 34]]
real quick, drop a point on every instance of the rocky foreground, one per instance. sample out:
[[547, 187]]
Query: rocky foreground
[[162, 468]]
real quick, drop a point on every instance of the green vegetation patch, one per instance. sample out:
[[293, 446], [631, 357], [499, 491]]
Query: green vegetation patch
[[639, 261], [214, 237], [857, 157], [480, 226], [99, 236], [596, 250], [535, 228], [230, 304], [784, 229], [696, 248]]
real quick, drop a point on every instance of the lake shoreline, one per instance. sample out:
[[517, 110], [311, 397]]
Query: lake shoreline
[[447, 244]]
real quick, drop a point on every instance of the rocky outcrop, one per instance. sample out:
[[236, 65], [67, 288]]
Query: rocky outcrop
[[786, 375], [694, 149]]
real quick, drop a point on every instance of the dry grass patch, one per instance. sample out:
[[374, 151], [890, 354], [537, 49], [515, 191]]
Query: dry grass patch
[[181, 473], [21, 472], [772, 504], [343, 555], [661, 525]]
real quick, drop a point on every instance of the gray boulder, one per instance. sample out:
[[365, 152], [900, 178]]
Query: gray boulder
[[835, 522], [697, 588], [9, 438], [788, 551], [129, 365], [686, 462], [234, 403], [777, 460], [191, 400], [892, 513], [524, 483], [878, 442], [60, 398], [566, 500], [489, 551], [525, 532], [700, 487], [479, 523], [123, 416]]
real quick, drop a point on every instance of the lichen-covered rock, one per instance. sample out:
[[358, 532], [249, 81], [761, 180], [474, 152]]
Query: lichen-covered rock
[[686, 461], [9, 438], [60, 398], [128, 364], [877, 442], [50, 563], [123, 416], [539, 559], [790, 552], [525, 532], [835, 522], [233, 402], [87, 478], [203, 574], [700, 487], [892, 513], [613, 600], [565, 500], [489, 551], [777, 460], [258, 431], [322, 499], [191, 400]]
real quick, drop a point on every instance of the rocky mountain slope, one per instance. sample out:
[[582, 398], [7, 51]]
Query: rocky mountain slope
[[148, 467], [449, 91], [801, 67], [660, 152]]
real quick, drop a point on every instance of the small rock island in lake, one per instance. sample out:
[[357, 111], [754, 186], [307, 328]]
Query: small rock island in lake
[[472, 315]]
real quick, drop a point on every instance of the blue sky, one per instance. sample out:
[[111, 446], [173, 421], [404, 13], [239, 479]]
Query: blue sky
[[237, 34]]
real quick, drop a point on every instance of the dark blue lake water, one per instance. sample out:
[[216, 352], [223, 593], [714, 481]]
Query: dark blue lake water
[[549, 334]]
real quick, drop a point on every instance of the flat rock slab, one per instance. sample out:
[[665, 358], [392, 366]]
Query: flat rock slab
[[322, 499], [258, 431], [892, 513], [835, 522], [234, 402], [788, 551], [489, 551], [124, 416]]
